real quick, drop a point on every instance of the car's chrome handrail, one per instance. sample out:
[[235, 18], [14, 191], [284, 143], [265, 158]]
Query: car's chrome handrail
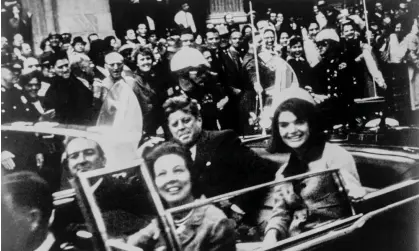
[[222, 197], [342, 232], [390, 188], [90, 132], [254, 138], [122, 246]]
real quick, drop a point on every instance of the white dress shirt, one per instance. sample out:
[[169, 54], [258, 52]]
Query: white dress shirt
[[185, 19]]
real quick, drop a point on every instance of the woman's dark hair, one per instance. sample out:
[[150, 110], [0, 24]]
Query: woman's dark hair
[[142, 50], [107, 40], [244, 29], [295, 40], [43, 43], [303, 110], [26, 78], [166, 148]]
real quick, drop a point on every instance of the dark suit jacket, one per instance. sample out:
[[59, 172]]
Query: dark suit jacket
[[233, 72], [223, 164], [81, 103], [58, 98]]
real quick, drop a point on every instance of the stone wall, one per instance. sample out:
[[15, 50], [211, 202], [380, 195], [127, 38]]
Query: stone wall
[[79, 17]]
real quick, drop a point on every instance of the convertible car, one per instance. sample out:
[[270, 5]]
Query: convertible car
[[105, 206]]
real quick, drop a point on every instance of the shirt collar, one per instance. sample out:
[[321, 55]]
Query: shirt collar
[[193, 151], [296, 59]]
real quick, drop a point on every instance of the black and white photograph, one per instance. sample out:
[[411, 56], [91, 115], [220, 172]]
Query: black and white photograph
[[209, 125]]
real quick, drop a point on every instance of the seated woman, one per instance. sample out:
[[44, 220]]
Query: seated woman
[[203, 228], [305, 204]]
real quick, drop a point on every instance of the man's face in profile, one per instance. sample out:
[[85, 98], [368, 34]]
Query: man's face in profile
[[16, 224], [84, 155]]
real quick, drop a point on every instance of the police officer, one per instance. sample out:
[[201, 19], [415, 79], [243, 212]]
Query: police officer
[[10, 96], [195, 80], [332, 87]]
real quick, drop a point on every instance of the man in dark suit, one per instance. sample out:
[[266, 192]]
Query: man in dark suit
[[57, 97], [234, 80], [71, 94], [83, 106], [222, 163]]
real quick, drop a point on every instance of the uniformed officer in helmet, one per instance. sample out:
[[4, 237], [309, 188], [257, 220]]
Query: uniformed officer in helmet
[[195, 80], [332, 86]]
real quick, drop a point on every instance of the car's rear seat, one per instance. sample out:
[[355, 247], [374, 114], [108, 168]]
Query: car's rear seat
[[377, 168]]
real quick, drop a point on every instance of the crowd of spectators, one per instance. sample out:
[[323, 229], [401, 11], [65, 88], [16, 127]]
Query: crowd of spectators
[[336, 55]]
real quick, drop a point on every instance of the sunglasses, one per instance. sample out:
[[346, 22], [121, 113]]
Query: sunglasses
[[322, 43]]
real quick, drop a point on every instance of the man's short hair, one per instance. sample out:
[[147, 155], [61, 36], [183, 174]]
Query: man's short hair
[[56, 35], [89, 37], [312, 21], [212, 30], [66, 37], [29, 190], [25, 78], [61, 55], [181, 103], [295, 40]]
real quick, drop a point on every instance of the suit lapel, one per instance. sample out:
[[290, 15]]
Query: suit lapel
[[201, 151]]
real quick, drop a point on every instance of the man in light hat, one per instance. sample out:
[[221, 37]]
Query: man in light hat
[[195, 81]]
